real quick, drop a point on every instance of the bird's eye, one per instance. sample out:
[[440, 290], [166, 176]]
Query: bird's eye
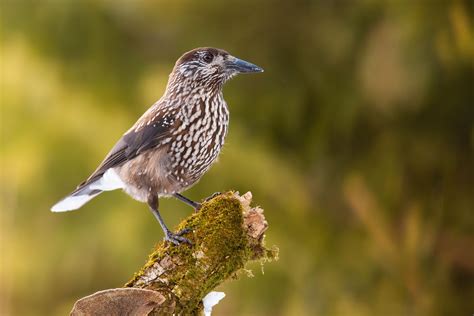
[[207, 57]]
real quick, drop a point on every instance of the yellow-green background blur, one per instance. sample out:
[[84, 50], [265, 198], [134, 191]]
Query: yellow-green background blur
[[358, 141]]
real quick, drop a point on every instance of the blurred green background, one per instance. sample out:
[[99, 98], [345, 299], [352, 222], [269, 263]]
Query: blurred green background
[[358, 141]]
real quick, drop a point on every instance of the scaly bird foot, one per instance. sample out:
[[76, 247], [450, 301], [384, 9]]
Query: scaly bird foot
[[213, 195], [197, 207], [177, 238]]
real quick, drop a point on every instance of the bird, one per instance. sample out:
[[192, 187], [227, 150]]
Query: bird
[[174, 143]]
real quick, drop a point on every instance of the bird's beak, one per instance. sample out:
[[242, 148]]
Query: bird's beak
[[241, 66]]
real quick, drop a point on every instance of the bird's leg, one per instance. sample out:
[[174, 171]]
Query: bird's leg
[[191, 203], [175, 238]]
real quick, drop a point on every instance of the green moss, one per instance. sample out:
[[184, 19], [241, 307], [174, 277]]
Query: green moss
[[220, 248]]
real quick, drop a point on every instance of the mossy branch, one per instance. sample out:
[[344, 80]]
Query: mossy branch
[[226, 234]]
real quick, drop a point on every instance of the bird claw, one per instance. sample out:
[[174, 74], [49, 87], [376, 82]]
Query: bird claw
[[197, 206], [177, 238], [183, 231], [213, 195]]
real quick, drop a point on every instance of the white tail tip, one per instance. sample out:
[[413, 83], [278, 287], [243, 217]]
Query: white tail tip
[[72, 202]]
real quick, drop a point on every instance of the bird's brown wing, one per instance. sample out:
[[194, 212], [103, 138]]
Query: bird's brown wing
[[150, 131]]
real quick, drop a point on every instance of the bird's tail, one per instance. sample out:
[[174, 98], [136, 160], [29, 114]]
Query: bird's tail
[[87, 191], [76, 199]]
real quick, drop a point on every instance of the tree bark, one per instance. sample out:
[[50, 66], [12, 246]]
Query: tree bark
[[226, 234]]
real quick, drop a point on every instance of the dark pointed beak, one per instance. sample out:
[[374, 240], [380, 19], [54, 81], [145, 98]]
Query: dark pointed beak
[[241, 66]]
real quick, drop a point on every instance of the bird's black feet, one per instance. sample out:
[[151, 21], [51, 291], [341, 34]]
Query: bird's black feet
[[213, 195], [177, 238], [197, 206]]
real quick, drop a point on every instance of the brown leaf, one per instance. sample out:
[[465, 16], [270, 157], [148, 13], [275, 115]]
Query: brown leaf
[[122, 301]]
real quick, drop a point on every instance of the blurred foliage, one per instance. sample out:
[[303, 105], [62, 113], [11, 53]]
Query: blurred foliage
[[358, 140]]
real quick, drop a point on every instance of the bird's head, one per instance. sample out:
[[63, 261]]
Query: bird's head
[[210, 66]]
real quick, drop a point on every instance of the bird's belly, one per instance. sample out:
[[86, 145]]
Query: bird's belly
[[163, 173], [147, 174]]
